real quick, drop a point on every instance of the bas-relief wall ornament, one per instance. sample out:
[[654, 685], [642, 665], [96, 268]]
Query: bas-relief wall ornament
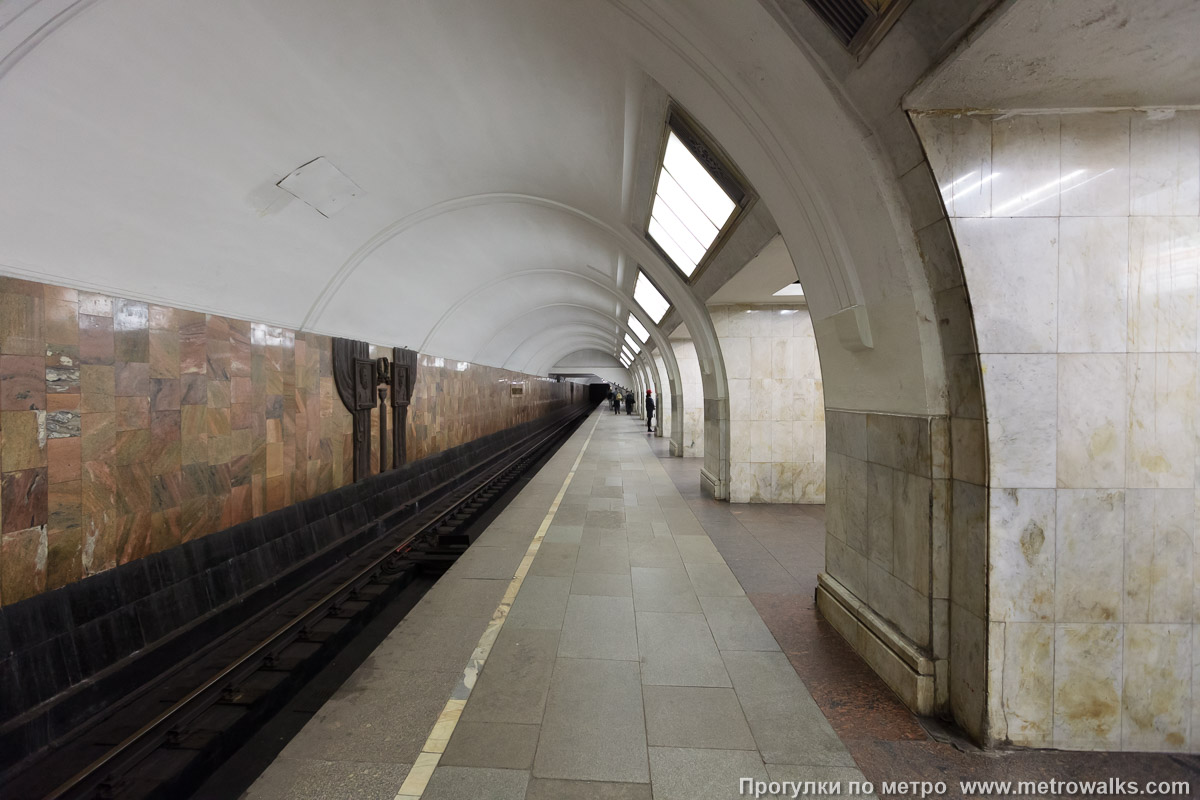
[[360, 380]]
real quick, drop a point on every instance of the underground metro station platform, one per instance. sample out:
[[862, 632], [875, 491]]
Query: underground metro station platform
[[622, 398]]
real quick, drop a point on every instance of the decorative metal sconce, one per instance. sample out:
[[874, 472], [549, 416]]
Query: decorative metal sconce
[[362, 383]]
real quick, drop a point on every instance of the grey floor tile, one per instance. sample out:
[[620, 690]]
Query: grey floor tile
[[687, 774], [736, 625], [610, 560], [500, 745], [594, 728], [571, 513], [310, 779], [690, 716], [541, 603], [697, 550], [660, 553], [763, 575], [555, 560], [457, 783], [665, 590], [390, 729], [614, 518], [498, 563], [599, 627], [714, 580], [462, 597], [428, 643], [601, 583], [678, 650], [825, 775], [567, 534], [513, 684], [552, 789], [787, 725]]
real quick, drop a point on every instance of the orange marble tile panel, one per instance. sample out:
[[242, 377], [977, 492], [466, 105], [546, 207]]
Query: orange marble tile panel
[[22, 324], [220, 448], [218, 393], [22, 571], [165, 394], [274, 459], [60, 293], [97, 384], [134, 488], [22, 383], [64, 506], [96, 343], [194, 390], [64, 556], [131, 378], [24, 440], [193, 341], [99, 436], [163, 318], [62, 322], [62, 402], [275, 493], [133, 537], [132, 446], [64, 459], [241, 390], [131, 331], [164, 353], [166, 529], [133, 413], [23, 499]]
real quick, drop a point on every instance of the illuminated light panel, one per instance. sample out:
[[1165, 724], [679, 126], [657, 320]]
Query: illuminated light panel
[[689, 209], [633, 345], [650, 298], [793, 289], [639, 328]]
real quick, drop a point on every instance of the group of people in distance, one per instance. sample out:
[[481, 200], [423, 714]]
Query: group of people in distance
[[617, 397]]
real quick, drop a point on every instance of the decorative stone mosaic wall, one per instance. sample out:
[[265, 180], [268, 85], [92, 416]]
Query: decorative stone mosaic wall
[[127, 428], [1080, 239]]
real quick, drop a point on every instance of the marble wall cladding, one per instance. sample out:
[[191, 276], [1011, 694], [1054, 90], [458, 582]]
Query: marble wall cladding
[[129, 427], [1080, 241], [776, 404], [886, 512], [693, 398]]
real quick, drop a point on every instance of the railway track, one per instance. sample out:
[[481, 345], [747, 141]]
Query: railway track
[[164, 741]]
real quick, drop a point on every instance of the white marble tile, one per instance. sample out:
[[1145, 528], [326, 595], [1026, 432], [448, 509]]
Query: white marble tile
[[1164, 164], [760, 441], [960, 152], [1091, 421], [1011, 266], [1087, 686], [739, 399], [810, 483], [782, 356], [741, 482], [1093, 285], [783, 403], [760, 357], [784, 478], [1089, 555], [1021, 558], [1164, 256], [739, 441], [1160, 450], [762, 395], [736, 352], [1159, 530], [1021, 392], [1028, 684], [1157, 673], [804, 442], [781, 443], [1025, 166], [1095, 153]]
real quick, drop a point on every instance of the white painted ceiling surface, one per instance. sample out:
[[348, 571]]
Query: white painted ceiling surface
[[766, 273], [492, 141], [1035, 54]]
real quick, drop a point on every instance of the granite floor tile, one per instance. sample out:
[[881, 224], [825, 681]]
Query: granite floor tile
[[555, 560], [513, 684], [609, 560], [691, 774], [821, 775], [594, 727], [660, 553], [787, 725], [664, 590], [457, 783], [689, 716], [462, 597], [599, 628], [499, 745], [553, 789], [697, 550], [541, 604], [736, 625], [428, 642], [714, 580], [316, 779], [602, 584], [497, 563], [568, 534], [678, 650]]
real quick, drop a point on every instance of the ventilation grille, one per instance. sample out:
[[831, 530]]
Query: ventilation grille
[[858, 24]]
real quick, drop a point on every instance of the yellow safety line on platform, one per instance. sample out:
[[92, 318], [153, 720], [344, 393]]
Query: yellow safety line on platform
[[418, 777]]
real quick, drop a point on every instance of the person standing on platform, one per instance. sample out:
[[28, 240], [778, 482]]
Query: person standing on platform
[[629, 402], [617, 403], [649, 412]]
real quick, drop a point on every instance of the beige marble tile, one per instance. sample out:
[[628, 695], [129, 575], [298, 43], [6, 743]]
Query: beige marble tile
[[1091, 421], [1164, 164], [736, 352], [1011, 266], [1025, 166], [1159, 532], [1089, 554], [1157, 672], [1022, 410], [1163, 264], [1021, 557], [1028, 684], [739, 440], [1087, 686], [1160, 449], [1095, 150], [1093, 285]]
